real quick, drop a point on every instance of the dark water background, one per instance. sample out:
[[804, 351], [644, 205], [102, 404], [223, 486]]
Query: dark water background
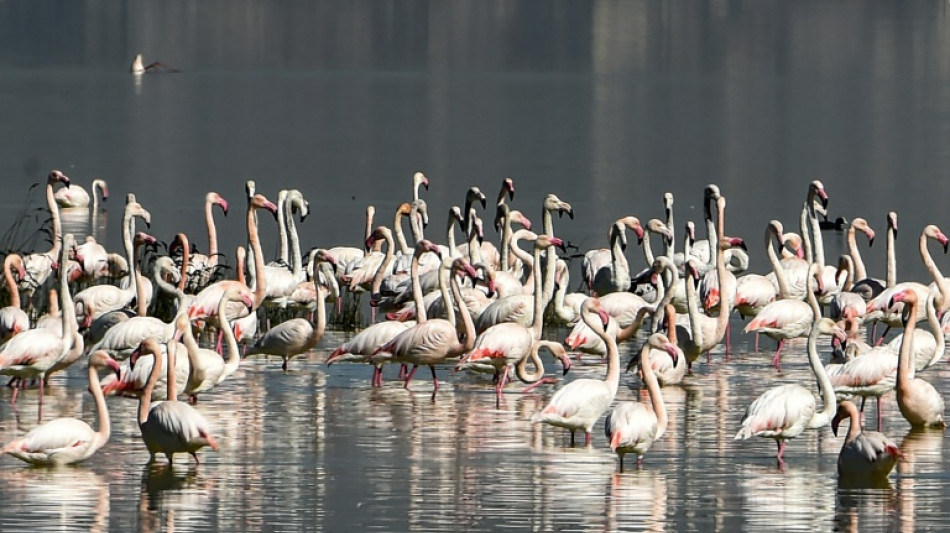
[[607, 104]]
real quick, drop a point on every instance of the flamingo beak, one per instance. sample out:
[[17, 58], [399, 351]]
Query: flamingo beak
[[566, 363], [224, 205], [639, 232], [114, 366], [671, 349], [604, 317], [834, 424]]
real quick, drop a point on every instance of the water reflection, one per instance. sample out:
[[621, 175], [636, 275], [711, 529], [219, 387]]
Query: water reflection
[[64, 498]]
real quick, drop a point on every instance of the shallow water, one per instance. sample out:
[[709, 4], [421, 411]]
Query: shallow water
[[607, 104]]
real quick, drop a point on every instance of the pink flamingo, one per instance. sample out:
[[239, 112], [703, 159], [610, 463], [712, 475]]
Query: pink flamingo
[[633, 427], [66, 441], [918, 400], [505, 344], [31, 353], [39, 266], [431, 342], [786, 411], [171, 426], [295, 336]]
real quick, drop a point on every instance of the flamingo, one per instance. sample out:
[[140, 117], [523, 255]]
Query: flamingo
[[39, 266], [205, 302], [13, 319], [865, 455], [614, 276], [366, 343], [505, 344], [207, 369], [879, 308], [295, 336], [95, 301], [918, 400], [786, 411], [432, 341], [64, 441], [76, 196], [139, 67], [845, 303], [202, 268], [666, 370], [703, 333], [633, 427], [171, 426], [580, 403], [33, 352], [788, 319]]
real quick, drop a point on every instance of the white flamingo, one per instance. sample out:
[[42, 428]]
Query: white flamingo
[[786, 411], [76, 196], [633, 427], [65, 441], [171, 426], [13, 319], [580, 403]]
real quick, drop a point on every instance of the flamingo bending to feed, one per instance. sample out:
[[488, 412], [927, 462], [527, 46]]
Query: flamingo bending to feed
[[864, 455], [431, 342], [786, 411], [918, 400], [580, 403], [76, 196], [66, 441], [171, 426], [13, 319], [633, 427], [667, 370]]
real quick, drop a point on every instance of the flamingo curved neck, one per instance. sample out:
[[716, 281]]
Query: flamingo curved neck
[[891, 257], [417, 297], [212, 234], [57, 224], [934, 271], [656, 396], [260, 280], [829, 406], [467, 322], [905, 359], [777, 267], [384, 265], [105, 425]]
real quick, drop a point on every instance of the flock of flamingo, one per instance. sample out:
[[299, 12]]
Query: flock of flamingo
[[479, 306]]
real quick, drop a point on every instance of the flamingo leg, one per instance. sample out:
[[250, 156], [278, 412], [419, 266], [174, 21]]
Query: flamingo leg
[[777, 360], [781, 452], [435, 380], [402, 371], [621, 464], [284, 366], [728, 344], [501, 381], [536, 384], [880, 415], [409, 376], [756, 343], [195, 455], [572, 438], [587, 438], [13, 398], [639, 462]]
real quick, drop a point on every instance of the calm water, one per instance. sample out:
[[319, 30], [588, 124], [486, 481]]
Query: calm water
[[607, 104]]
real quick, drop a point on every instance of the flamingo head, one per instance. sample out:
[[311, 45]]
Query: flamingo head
[[734, 242], [518, 216], [818, 189], [907, 296], [462, 265], [57, 177], [545, 241], [935, 233], [657, 226], [594, 305], [508, 186], [216, 199], [421, 179], [553, 203], [840, 415], [892, 222], [861, 224]]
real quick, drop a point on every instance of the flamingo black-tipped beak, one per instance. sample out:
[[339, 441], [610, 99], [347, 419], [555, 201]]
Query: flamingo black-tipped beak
[[871, 242]]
